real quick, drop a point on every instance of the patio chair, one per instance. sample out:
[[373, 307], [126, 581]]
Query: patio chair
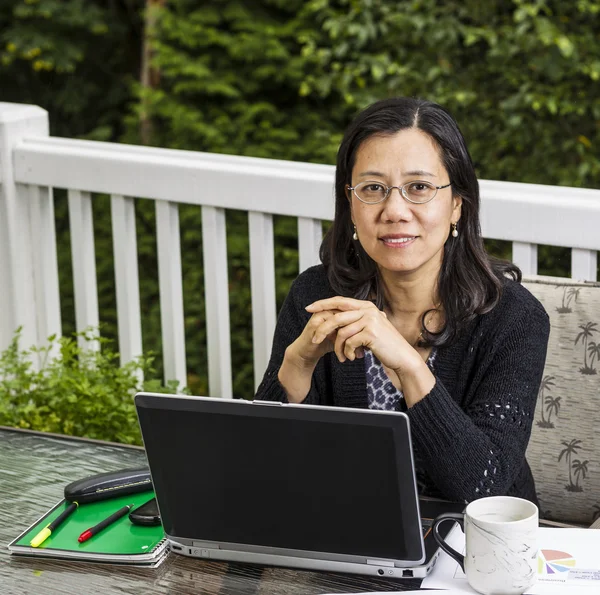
[[564, 450]]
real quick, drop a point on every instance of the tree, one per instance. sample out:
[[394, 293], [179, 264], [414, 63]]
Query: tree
[[508, 71], [571, 448], [547, 382], [569, 294], [587, 331], [552, 406], [60, 55], [149, 74], [594, 351], [580, 469], [230, 77], [282, 79]]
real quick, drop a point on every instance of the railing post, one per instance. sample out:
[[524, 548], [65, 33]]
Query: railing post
[[584, 264], [524, 255], [28, 269]]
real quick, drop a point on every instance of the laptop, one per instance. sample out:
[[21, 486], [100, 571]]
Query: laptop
[[321, 488]]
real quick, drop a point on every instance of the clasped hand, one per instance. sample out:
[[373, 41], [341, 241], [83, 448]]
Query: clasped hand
[[347, 326]]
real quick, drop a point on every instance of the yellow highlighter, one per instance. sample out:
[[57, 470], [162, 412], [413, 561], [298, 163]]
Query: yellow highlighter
[[47, 531]]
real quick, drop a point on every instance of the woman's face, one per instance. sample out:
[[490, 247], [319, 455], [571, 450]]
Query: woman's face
[[399, 236]]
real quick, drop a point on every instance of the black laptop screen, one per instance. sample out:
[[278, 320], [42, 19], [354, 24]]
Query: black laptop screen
[[256, 474]]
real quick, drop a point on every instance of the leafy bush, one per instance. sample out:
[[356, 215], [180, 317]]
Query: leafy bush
[[282, 79], [76, 391], [61, 55]]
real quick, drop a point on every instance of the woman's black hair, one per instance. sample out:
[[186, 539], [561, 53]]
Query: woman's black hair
[[470, 281]]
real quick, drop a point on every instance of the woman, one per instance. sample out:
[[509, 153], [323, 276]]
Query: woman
[[408, 312]]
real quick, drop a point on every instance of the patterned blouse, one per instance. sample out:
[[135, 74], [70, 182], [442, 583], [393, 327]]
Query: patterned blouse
[[381, 392]]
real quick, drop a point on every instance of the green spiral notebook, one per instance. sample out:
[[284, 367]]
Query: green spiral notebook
[[122, 542]]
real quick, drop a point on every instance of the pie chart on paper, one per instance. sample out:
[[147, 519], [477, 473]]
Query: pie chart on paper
[[553, 562]]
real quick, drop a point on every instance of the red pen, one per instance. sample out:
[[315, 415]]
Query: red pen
[[105, 523]]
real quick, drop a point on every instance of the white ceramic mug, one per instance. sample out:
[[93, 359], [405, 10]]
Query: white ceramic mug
[[501, 544]]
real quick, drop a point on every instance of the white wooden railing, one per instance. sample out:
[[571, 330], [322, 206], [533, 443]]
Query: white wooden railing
[[32, 163]]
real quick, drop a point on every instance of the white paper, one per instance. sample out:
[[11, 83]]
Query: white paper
[[433, 592], [568, 562]]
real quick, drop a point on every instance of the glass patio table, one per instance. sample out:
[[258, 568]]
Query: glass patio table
[[35, 467]]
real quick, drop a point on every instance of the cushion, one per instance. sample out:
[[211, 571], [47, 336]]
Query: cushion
[[564, 449]]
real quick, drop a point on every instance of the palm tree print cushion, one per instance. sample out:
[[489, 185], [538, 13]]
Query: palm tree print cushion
[[564, 449]]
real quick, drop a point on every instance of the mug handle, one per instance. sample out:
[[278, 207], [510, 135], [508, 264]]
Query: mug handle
[[449, 516]]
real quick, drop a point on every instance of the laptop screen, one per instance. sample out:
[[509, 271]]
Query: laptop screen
[[297, 478]]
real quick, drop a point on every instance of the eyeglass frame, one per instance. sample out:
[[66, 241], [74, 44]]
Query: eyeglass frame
[[400, 189]]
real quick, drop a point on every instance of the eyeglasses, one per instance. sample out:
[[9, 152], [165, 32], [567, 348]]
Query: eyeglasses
[[417, 192]]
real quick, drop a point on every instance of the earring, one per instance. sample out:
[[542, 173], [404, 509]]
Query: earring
[[454, 231], [354, 235]]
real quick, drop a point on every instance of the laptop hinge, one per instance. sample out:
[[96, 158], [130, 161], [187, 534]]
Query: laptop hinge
[[381, 563], [271, 403]]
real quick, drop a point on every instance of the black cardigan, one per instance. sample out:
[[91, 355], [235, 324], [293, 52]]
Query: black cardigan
[[471, 431]]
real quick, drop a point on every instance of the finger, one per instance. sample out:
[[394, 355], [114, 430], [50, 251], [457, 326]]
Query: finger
[[359, 341], [338, 303], [343, 335], [315, 323], [339, 320], [318, 319]]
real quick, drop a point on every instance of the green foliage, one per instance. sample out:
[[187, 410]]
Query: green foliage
[[230, 75], [82, 392], [518, 76], [60, 55], [282, 79]]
